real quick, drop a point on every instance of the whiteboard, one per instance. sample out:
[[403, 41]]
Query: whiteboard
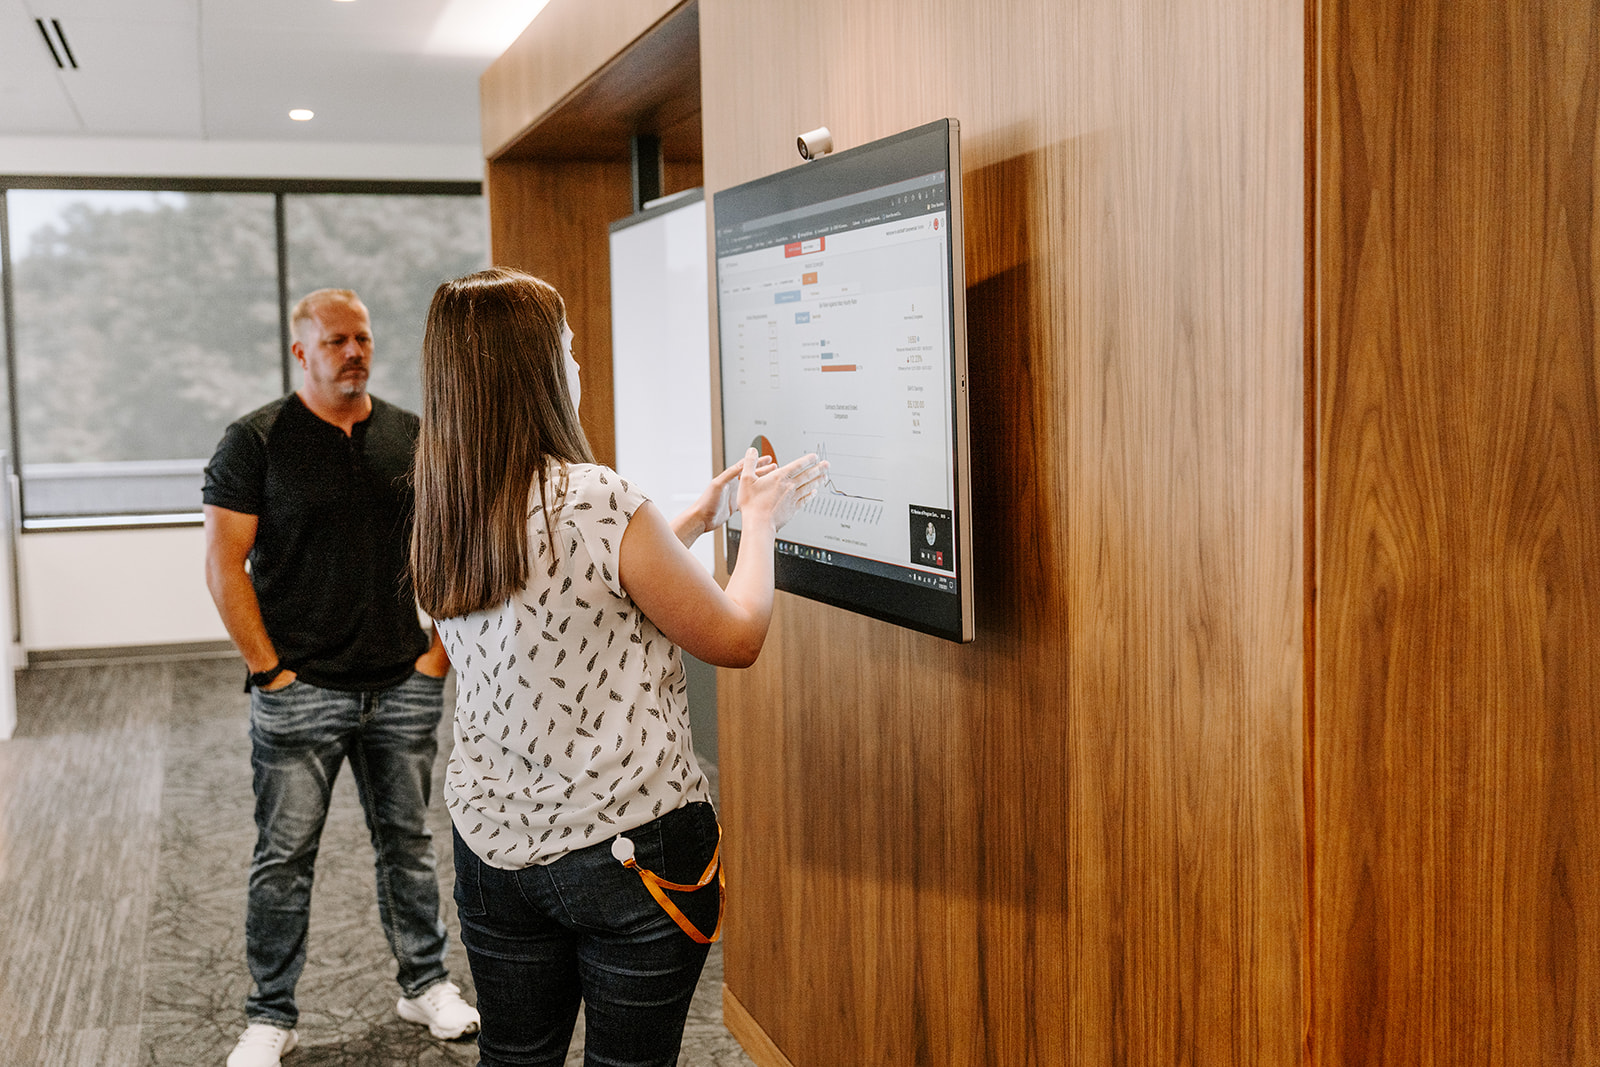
[[661, 354]]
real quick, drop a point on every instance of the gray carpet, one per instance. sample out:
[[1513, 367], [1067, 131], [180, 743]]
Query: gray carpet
[[125, 837]]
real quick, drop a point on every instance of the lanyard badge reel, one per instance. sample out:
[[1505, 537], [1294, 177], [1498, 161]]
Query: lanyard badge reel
[[623, 850]]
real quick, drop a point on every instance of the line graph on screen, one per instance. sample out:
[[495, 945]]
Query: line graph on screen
[[848, 493]]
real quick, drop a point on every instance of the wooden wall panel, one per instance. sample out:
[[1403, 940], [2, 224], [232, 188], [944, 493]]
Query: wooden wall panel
[[682, 175], [652, 86], [1457, 831], [1079, 839], [569, 41], [553, 219]]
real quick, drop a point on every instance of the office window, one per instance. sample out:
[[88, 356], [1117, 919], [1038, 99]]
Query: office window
[[143, 322], [393, 251]]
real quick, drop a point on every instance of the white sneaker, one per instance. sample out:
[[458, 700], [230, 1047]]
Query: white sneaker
[[441, 1009], [262, 1045]]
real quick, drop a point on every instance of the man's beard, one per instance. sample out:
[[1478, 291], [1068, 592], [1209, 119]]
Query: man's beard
[[352, 388]]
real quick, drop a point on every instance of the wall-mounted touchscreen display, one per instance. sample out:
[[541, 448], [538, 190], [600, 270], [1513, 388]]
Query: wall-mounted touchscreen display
[[841, 312]]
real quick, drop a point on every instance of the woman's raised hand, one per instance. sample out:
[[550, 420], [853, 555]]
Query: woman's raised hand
[[779, 492], [723, 626], [720, 499]]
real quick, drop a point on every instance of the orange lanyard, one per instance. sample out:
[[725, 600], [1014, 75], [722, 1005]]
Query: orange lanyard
[[622, 849]]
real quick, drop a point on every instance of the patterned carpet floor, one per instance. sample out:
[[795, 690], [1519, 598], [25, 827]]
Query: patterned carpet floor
[[125, 837]]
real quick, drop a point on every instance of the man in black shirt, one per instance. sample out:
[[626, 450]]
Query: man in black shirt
[[313, 490]]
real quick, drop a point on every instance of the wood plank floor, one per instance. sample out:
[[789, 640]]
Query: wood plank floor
[[125, 837]]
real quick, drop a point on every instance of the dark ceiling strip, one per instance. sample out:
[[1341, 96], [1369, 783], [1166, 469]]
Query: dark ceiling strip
[[48, 43], [65, 47]]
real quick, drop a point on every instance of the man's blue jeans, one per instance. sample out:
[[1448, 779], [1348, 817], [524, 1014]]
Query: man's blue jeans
[[539, 937], [299, 736]]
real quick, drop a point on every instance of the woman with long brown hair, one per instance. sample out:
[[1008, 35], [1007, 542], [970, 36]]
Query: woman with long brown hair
[[585, 843]]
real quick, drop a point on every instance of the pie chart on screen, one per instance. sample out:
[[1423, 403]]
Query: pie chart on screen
[[764, 447]]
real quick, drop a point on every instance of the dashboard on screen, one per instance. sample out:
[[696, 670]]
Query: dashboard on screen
[[841, 322]]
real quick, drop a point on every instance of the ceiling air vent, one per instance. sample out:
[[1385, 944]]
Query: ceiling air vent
[[58, 44]]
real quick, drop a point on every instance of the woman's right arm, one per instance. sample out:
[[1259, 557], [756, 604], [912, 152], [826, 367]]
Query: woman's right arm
[[723, 627]]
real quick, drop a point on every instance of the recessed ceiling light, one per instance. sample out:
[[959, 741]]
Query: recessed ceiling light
[[300, 114]]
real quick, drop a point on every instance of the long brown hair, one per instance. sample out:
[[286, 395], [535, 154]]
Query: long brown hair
[[497, 419]]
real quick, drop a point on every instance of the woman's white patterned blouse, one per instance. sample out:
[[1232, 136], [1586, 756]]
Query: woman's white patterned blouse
[[571, 720]]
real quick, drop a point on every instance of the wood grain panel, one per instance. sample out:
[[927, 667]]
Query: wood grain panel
[[553, 219], [754, 1039], [682, 175], [1077, 840], [653, 87], [1457, 829], [568, 42]]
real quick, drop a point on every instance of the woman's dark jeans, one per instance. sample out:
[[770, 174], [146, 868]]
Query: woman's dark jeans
[[584, 926]]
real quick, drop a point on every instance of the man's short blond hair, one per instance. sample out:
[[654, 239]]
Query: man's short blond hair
[[311, 303]]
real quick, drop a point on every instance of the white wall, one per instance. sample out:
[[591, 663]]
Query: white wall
[[111, 588], [8, 640], [97, 589], [152, 157]]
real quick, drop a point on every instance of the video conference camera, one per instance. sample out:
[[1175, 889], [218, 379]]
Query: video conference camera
[[817, 142]]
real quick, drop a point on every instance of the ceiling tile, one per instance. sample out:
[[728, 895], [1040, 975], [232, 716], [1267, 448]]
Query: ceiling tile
[[32, 98], [232, 69], [357, 96], [135, 77], [365, 25], [180, 11]]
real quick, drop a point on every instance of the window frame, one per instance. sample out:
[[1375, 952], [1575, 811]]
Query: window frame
[[280, 189]]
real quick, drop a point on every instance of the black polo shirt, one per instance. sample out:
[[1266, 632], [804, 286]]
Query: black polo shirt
[[334, 529]]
